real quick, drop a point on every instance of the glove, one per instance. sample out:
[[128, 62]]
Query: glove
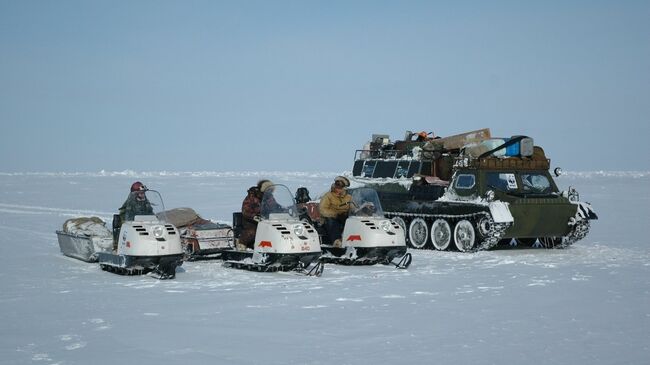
[[367, 205]]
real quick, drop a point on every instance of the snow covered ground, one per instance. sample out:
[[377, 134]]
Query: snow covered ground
[[588, 304]]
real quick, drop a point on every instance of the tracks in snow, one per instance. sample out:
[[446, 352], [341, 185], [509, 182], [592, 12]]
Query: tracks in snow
[[38, 210]]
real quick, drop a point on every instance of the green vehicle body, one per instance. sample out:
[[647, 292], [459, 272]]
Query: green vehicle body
[[535, 214]]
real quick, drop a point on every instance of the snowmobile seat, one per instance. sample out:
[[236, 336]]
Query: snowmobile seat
[[237, 225]]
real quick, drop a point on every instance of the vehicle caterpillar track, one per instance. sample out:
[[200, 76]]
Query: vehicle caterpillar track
[[164, 268], [314, 269]]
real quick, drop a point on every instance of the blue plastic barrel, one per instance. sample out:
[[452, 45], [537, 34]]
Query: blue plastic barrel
[[513, 149]]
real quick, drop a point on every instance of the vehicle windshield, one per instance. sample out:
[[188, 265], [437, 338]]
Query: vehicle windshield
[[365, 203], [278, 202], [502, 181], [533, 183], [536, 183]]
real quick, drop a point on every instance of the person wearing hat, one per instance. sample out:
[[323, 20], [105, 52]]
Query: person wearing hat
[[250, 209], [136, 203], [334, 208]]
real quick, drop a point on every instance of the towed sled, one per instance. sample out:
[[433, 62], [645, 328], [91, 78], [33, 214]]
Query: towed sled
[[368, 237], [83, 238], [147, 244], [201, 239], [282, 241]]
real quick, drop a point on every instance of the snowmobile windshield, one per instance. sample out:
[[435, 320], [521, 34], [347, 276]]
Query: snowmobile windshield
[[145, 202], [278, 203], [365, 203]]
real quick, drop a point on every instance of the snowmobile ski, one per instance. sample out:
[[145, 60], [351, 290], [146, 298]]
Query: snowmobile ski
[[315, 268], [404, 262]]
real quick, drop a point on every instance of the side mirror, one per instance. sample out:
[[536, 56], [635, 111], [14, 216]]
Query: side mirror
[[557, 172]]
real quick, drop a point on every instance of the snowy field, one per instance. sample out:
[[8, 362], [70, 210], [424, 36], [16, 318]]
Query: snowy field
[[588, 304]]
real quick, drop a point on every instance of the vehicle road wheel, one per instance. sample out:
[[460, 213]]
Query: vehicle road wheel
[[464, 236], [418, 233], [440, 234], [484, 226]]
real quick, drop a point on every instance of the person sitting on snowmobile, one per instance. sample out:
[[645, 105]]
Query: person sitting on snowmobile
[[334, 208], [250, 209], [136, 204]]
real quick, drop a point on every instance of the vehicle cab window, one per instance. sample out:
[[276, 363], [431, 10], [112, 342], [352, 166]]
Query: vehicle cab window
[[465, 181], [503, 181], [536, 183]]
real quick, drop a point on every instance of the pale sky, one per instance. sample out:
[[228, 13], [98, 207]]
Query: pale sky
[[299, 85]]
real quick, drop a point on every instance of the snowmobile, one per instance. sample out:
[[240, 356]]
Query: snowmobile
[[147, 244], [368, 237], [282, 241], [201, 238]]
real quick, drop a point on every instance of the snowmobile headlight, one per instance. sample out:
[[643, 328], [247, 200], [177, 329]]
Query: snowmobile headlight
[[158, 231], [298, 229], [489, 195], [385, 225]]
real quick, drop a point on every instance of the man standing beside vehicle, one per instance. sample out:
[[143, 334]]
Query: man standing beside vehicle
[[334, 208]]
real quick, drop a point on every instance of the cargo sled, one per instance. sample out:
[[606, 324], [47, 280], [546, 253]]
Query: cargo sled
[[200, 238], [83, 238]]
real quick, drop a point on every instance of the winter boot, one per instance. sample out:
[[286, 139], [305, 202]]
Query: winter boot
[[240, 246]]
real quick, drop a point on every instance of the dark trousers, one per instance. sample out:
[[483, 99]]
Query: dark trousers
[[247, 236], [334, 227]]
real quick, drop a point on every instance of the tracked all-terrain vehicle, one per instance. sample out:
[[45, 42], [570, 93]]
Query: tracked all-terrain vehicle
[[471, 192]]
